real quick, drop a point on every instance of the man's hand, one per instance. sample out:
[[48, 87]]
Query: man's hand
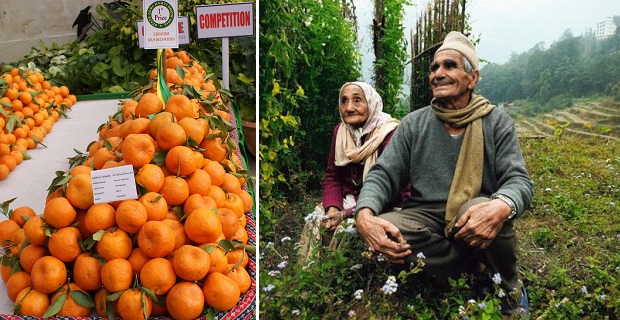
[[334, 218], [376, 233], [481, 223]]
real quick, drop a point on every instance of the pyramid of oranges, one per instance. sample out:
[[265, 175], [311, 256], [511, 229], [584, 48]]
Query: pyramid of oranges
[[29, 107], [179, 250]]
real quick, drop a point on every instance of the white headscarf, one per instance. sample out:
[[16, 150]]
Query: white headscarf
[[349, 147]]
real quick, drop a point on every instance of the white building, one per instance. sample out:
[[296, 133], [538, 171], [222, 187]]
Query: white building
[[605, 29]]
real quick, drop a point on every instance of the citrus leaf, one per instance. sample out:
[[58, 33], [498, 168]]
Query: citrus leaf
[[55, 307], [82, 299], [114, 296]]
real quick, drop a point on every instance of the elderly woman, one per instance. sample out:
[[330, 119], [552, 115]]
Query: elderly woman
[[357, 142]]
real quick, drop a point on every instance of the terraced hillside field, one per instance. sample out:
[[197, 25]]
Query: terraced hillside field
[[586, 118]]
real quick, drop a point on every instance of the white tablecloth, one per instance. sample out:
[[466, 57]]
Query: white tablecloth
[[30, 180]]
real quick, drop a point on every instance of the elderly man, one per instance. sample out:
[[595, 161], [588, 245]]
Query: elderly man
[[468, 177]]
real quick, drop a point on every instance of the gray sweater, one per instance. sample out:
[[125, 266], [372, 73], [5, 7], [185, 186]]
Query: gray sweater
[[424, 153]]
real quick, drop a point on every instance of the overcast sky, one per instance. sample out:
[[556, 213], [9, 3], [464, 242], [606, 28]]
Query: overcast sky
[[516, 26], [503, 26]]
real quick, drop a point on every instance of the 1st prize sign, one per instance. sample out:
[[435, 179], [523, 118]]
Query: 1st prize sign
[[160, 24]]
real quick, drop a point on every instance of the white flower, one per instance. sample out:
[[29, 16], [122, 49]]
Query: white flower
[[351, 230], [420, 255], [295, 312], [358, 294], [274, 273], [356, 266], [269, 245], [482, 306], [471, 301], [390, 286], [548, 189], [497, 279], [308, 21], [269, 288], [584, 290], [462, 310], [501, 293], [380, 258], [603, 297], [283, 240], [282, 264], [352, 313]]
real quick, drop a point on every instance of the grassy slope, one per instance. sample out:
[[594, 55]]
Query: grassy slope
[[568, 245]]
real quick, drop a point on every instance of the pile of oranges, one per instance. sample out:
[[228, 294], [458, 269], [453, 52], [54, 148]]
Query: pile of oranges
[[179, 250], [29, 107]]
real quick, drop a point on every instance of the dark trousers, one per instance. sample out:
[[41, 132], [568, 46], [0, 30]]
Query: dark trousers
[[445, 257]]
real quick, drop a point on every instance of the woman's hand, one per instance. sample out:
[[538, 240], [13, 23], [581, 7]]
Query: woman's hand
[[334, 218], [376, 232]]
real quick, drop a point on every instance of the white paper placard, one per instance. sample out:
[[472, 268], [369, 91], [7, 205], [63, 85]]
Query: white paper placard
[[183, 31], [225, 20], [114, 184], [160, 24]]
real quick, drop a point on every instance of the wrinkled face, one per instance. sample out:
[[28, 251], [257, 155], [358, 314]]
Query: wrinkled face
[[450, 83], [353, 106]]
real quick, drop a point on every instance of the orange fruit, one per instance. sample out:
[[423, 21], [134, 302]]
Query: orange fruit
[[71, 308], [80, 169], [34, 231], [218, 195], [217, 256], [59, 212], [137, 126], [236, 255], [137, 259], [101, 304], [185, 301], [221, 292], [114, 244], [64, 244], [151, 177], [240, 235], [16, 282], [169, 135], [148, 104], [7, 229], [180, 160], [199, 182], [247, 200], [202, 225], [156, 239], [30, 254], [131, 215], [196, 201], [6, 272], [155, 205], [216, 171], [48, 274], [158, 120], [214, 149], [180, 238], [17, 241], [234, 202], [116, 275], [4, 171], [102, 156], [181, 107], [32, 302], [231, 183], [131, 307], [99, 216], [158, 275], [229, 221], [191, 263], [194, 129], [87, 272], [240, 276], [79, 191], [138, 149], [175, 190], [8, 161]]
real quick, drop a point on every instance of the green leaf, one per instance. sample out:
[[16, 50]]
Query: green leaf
[[114, 296], [55, 307], [82, 299], [245, 79]]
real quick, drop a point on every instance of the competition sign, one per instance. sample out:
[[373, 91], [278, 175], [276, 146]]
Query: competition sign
[[160, 24]]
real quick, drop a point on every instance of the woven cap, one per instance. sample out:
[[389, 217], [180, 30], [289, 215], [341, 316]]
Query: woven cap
[[457, 41]]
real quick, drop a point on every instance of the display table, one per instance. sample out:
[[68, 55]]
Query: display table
[[30, 180]]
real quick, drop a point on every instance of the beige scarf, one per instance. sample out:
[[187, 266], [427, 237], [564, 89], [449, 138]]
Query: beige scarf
[[348, 151], [467, 180]]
